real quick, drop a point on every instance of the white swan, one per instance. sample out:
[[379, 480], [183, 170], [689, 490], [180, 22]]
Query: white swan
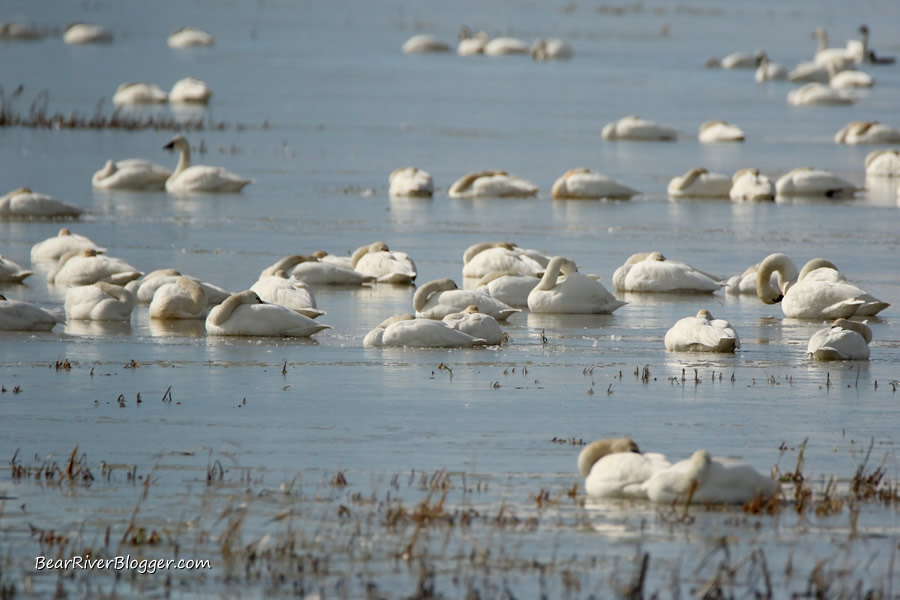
[[702, 333], [699, 183], [441, 297], [19, 32], [816, 94], [199, 178], [584, 184], [469, 44], [189, 36], [495, 257], [826, 55], [131, 174], [705, 480], [636, 128], [340, 261], [821, 291], [424, 43], [509, 289], [315, 272], [745, 283], [245, 314], [850, 78], [12, 272], [83, 33], [843, 340], [183, 299], [406, 330], [16, 315], [742, 60], [145, 288], [713, 132], [491, 184], [651, 272], [883, 163], [190, 91], [477, 324], [812, 72], [616, 468], [576, 294], [769, 71], [52, 248], [410, 181], [503, 46], [22, 203], [551, 49], [867, 132], [749, 185], [288, 292], [100, 301], [139, 93], [84, 267], [806, 181], [377, 260]]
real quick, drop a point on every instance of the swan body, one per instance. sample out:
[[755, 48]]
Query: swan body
[[636, 128], [406, 330], [810, 72], [22, 316], [470, 45], [702, 333], [769, 71], [741, 60], [806, 181], [843, 340], [502, 46], [583, 184], [131, 174], [340, 261], [867, 132], [245, 314], [101, 301], [617, 469], [496, 257], [315, 272], [190, 91], [551, 49], [883, 163], [11, 272], [651, 272], [84, 267], [199, 178], [825, 55], [441, 297], [189, 36], [288, 292], [145, 288], [749, 185], [423, 44], [717, 482], [183, 299], [52, 248], [491, 184], [816, 94], [377, 260], [83, 33], [576, 294], [410, 181], [713, 132], [139, 93], [700, 183], [851, 78], [509, 289], [476, 324], [22, 203]]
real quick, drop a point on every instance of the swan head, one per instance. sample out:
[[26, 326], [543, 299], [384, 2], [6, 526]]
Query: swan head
[[280, 273], [700, 464], [89, 252], [471, 309], [704, 314], [860, 328], [597, 450], [64, 232], [2, 298], [568, 266], [179, 142]]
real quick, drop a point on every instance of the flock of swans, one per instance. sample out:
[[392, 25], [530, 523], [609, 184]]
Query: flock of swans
[[480, 44]]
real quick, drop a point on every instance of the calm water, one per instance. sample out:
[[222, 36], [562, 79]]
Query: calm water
[[320, 106]]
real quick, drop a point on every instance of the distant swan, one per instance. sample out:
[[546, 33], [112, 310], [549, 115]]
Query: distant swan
[[245, 314], [505, 45], [712, 481], [836, 56], [199, 178], [83, 33], [376, 259], [616, 468], [22, 203], [189, 36], [491, 184], [651, 272], [713, 132], [636, 128], [700, 183], [492, 257], [100, 301], [861, 53], [806, 181], [749, 185], [477, 324], [509, 289], [470, 45], [843, 340], [19, 32], [582, 183], [867, 132], [576, 294], [424, 43], [52, 248], [11, 272], [410, 181], [131, 174], [742, 60], [183, 299], [551, 49], [883, 163], [406, 330], [84, 267], [816, 94], [190, 91], [139, 93], [702, 333], [22, 316], [769, 71], [315, 272], [441, 297], [288, 292]]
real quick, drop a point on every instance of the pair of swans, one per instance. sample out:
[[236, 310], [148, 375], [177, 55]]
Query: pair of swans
[[100, 301], [867, 132], [52, 248], [187, 178], [288, 292], [22, 203], [187, 37], [491, 184], [85, 267], [576, 293], [484, 258], [806, 181], [651, 272], [883, 163], [699, 183], [843, 340], [411, 182], [185, 91], [16, 315], [407, 330], [377, 260], [750, 185], [819, 292], [702, 333], [11, 271], [713, 132], [315, 271], [441, 297], [638, 129], [479, 43], [583, 184], [135, 174], [245, 314], [617, 469], [85, 33]]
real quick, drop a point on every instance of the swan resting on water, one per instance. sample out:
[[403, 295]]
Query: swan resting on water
[[651, 272], [842, 340], [189, 178], [575, 293], [702, 333], [246, 314], [407, 330]]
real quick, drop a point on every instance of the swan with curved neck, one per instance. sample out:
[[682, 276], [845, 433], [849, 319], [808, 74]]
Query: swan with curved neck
[[311, 270], [438, 298], [376, 259], [99, 302], [131, 174], [749, 185], [867, 132], [509, 288], [246, 314], [183, 299], [806, 181], [843, 340], [702, 333], [617, 468], [187, 178], [594, 451], [491, 184], [576, 294]]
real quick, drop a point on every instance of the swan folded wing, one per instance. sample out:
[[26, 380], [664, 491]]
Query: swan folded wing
[[262, 320], [623, 474], [836, 343], [512, 289], [203, 178], [503, 186], [593, 185], [22, 316], [667, 276], [326, 273], [427, 333], [388, 267]]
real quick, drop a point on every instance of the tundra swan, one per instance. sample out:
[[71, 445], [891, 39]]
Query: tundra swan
[[424, 43], [410, 181], [867, 132], [713, 132], [490, 257], [190, 91], [811, 72], [616, 468], [551, 49], [334, 259], [636, 128], [83, 33], [469, 44], [842, 340], [700, 183], [376, 259], [199, 178], [883, 163], [100, 301], [182, 299], [582, 183], [742, 60], [576, 294], [22, 203], [131, 174], [139, 93], [703, 479], [315, 272], [806, 181], [11, 272], [245, 314], [19, 32], [769, 71], [502, 46], [16, 315], [745, 283], [52, 248], [477, 324], [491, 184], [441, 297], [825, 55], [749, 185], [145, 288], [850, 78], [816, 94], [820, 292], [651, 272], [189, 36], [702, 333], [406, 330], [508, 288], [288, 292], [861, 53], [84, 267]]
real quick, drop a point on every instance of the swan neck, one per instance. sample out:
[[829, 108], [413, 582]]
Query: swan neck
[[225, 310], [774, 263], [358, 254], [421, 296], [184, 159], [551, 273], [472, 251]]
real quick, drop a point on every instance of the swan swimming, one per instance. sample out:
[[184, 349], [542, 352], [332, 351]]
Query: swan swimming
[[131, 174], [806, 181], [311, 270], [52, 248], [189, 36], [842, 340], [424, 43], [714, 132], [441, 297], [199, 178], [584, 184], [576, 294], [702, 333], [182, 299], [139, 93], [616, 468], [100, 301], [288, 292], [636, 128], [651, 272], [11, 272], [500, 257], [769, 71], [491, 184], [867, 132], [749, 185], [883, 163], [377, 260], [551, 49], [699, 183], [83, 33], [477, 324], [816, 94], [16, 315], [245, 314], [410, 181], [190, 91], [407, 330], [22, 203], [508, 288]]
